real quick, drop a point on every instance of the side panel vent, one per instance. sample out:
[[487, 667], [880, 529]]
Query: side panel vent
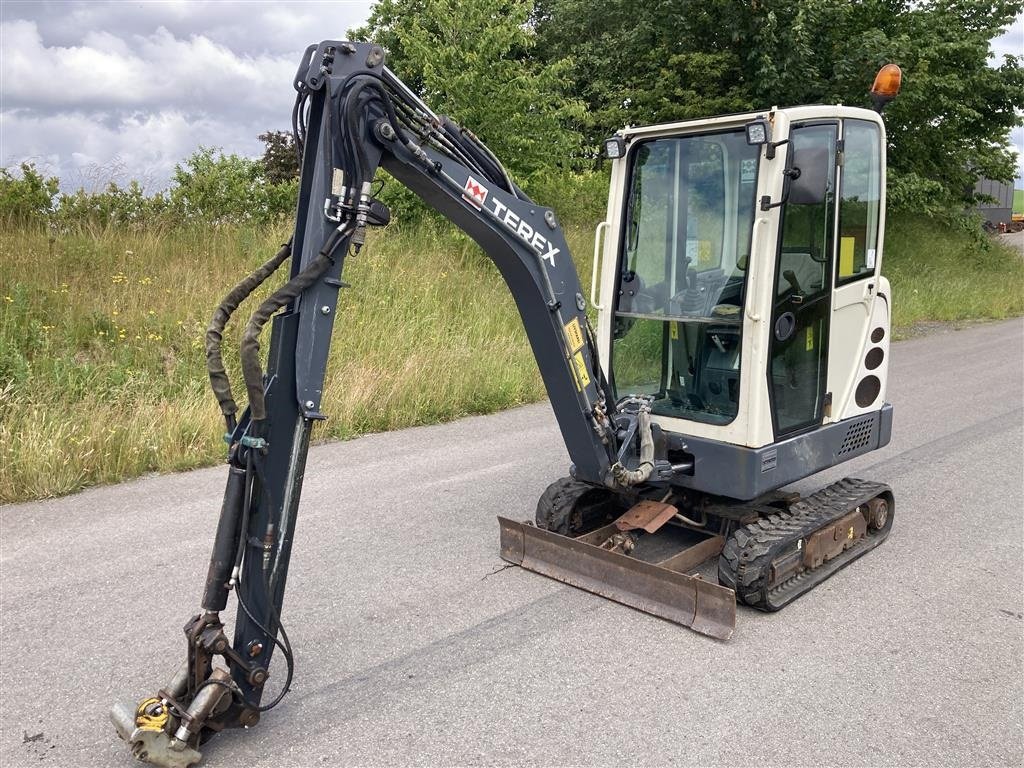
[[858, 435]]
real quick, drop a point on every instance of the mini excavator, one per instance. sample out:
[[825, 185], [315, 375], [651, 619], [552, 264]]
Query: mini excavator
[[742, 344]]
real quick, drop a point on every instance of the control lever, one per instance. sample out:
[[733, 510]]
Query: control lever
[[798, 293]]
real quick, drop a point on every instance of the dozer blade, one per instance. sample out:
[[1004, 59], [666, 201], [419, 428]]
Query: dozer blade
[[704, 607]]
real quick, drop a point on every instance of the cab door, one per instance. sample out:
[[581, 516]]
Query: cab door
[[801, 312], [856, 263]]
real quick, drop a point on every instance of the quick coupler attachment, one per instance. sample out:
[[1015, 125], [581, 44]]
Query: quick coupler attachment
[[159, 731]]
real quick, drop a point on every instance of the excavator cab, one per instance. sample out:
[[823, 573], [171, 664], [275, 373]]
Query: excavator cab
[[740, 291]]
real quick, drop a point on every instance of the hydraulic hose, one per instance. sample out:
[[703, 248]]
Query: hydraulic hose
[[219, 382], [252, 370], [629, 477]]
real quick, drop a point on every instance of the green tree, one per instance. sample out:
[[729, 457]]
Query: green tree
[[472, 60], [638, 63], [652, 62], [280, 161], [219, 188]]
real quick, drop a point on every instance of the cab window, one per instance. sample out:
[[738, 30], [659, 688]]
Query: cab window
[[682, 277], [859, 204]]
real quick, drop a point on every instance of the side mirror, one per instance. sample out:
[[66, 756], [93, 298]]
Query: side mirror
[[808, 179]]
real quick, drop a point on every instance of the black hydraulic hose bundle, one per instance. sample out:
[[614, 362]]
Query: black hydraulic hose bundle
[[219, 382], [252, 370]]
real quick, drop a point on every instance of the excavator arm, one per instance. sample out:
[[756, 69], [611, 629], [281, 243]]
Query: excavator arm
[[352, 116]]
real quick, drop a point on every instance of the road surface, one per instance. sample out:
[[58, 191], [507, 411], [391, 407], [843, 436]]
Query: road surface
[[414, 646]]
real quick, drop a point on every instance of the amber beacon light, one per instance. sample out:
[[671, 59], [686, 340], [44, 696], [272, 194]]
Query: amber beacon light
[[886, 85]]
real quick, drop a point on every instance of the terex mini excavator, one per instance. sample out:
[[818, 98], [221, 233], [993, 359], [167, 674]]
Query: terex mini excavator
[[742, 344]]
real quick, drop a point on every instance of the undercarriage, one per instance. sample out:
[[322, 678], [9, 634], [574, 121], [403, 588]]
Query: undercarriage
[[654, 554]]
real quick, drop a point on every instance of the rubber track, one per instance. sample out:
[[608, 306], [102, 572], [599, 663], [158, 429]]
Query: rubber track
[[745, 562], [555, 506]]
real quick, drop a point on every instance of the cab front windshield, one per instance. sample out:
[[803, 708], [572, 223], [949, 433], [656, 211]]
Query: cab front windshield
[[682, 276]]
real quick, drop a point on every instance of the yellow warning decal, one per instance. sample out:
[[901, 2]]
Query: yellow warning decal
[[849, 533], [810, 337], [581, 369], [846, 251], [574, 334], [673, 329]]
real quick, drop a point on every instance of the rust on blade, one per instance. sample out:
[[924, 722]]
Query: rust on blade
[[705, 607], [647, 515]]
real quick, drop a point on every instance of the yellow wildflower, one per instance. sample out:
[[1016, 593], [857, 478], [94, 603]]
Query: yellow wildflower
[[8, 299]]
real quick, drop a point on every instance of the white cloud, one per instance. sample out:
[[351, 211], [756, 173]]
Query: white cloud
[[141, 86], [144, 146], [1011, 42]]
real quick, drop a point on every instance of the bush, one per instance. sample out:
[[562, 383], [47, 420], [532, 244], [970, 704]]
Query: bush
[[115, 206], [217, 188], [27, 198]]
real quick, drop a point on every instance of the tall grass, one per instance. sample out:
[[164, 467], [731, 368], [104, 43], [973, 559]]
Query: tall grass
[[102, 368], [941, 274], [102, 371]]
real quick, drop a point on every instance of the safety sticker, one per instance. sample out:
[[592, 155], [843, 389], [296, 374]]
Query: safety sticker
[[574, 334], [748, 170], [673, 329], [581, 369], [810, 338]]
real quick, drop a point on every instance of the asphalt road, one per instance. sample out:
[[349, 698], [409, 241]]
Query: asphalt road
[[415, 648]]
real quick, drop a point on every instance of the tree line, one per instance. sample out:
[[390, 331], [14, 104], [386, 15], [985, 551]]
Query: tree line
[[544, 81]]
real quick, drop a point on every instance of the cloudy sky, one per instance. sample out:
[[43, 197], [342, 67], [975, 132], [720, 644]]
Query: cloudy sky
[[134, 87], [99, 90]]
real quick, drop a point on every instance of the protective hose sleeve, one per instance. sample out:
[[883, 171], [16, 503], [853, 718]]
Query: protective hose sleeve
[[252, 370], [219, 382], [627, 477]]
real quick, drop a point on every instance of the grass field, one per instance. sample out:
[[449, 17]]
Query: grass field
[[102, 373], [1018, 201]]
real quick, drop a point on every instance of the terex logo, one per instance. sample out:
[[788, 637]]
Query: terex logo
[[524, 231], [476, 193]]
